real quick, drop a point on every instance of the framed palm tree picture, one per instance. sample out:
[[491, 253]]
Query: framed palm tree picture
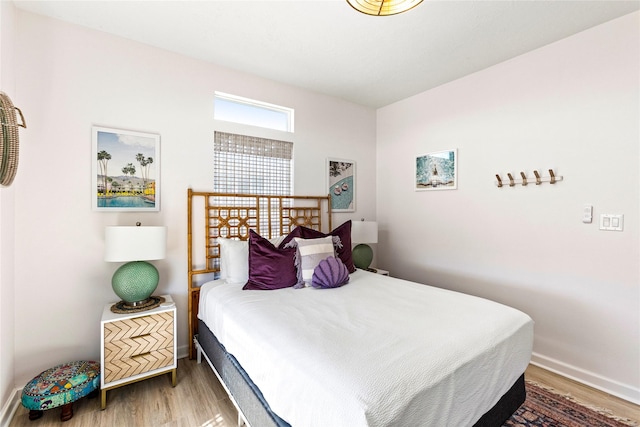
[[126, 170]]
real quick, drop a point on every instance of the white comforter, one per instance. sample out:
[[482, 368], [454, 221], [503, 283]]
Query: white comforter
[[378, 351]]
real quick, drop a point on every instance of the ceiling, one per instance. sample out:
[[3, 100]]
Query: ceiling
[[327, 47]]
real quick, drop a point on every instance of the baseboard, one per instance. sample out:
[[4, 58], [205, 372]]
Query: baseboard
[[10, 407], [607, 385], [183, 351]]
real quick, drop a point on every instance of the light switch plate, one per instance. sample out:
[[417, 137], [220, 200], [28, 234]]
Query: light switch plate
[[587, 214], [611, 222]]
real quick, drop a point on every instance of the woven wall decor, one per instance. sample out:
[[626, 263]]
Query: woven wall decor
[[9, 139]]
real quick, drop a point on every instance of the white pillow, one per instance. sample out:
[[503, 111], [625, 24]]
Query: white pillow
[[277, 240], [234, 260]]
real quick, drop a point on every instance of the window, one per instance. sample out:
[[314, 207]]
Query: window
[[246, 111], [251, 165]]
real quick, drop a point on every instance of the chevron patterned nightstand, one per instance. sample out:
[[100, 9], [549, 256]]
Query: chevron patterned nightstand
[[137, 346]]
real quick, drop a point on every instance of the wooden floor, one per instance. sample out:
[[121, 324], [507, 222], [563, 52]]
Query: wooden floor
[[199, 400], [584, 394]]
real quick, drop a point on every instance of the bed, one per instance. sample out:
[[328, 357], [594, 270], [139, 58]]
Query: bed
[[376, 351]]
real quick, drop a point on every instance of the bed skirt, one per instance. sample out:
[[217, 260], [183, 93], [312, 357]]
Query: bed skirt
[[256, 412]]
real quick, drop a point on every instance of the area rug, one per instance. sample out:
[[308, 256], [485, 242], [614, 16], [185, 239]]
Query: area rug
[[546, 408]]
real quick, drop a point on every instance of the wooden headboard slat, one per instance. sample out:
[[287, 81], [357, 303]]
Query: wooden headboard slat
[[232, 215]]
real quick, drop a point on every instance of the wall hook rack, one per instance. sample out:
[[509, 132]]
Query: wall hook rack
[[524, 180]]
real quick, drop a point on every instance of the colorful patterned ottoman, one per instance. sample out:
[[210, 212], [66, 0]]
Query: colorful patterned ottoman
[[61, 386]]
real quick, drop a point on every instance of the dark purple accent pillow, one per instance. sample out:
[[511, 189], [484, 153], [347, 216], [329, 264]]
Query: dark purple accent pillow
[[296, 232], [330, 273], [270, 267], [343, 251]]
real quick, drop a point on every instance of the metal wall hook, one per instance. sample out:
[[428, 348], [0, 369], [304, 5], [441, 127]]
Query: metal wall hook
[[538, 181], [524, 179], [511, 182], [499, 180]]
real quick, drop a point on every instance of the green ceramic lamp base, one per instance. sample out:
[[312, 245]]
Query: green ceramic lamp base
[[135, 281], [362, 256]]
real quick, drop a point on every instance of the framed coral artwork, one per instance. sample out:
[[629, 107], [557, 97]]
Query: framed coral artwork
[[342, 184], [126, 170]]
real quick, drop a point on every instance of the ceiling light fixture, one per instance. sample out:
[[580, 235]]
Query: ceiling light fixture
[[383, 7]]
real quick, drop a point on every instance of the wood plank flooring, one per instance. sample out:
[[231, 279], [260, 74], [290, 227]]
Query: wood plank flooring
[[200, 400], [584, 394]]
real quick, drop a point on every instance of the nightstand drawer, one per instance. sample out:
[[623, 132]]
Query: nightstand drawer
[[132, 337], [138, 326], [138, 364]]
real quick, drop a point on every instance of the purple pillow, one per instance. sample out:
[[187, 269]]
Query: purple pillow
[[330, 273], [343, 247], [270, 267], [286, 242]]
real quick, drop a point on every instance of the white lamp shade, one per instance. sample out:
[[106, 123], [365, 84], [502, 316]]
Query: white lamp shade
[[364, 232], [130, 243]]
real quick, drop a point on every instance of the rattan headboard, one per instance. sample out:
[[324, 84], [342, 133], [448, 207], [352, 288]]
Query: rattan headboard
[[214, 215]]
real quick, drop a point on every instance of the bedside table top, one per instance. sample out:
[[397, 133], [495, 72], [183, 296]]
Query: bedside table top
[[108, 315]]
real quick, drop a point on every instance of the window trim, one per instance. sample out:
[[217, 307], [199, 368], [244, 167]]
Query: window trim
[[289, 112]]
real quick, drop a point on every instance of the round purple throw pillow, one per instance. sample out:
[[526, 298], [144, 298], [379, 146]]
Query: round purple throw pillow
[[330, 273]]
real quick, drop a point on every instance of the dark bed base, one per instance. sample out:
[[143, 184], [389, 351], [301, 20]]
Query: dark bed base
[[257, 413], [506, 406], [243, 391]]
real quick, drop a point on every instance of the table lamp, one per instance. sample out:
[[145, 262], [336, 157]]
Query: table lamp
[[135, 281], [363, 232]]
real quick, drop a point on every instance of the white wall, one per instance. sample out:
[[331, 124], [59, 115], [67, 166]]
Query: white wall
[[572, 106], [69, 78], [7, 202]]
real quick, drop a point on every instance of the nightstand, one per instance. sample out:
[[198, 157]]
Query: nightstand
[[137, 346], [378, 271]]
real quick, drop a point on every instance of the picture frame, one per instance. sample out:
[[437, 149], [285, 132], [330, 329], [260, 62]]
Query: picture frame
[[126, 170], [437, 171], [341, 184]]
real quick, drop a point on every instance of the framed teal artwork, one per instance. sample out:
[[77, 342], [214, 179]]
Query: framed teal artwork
[[342, 184], [437, 171]]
